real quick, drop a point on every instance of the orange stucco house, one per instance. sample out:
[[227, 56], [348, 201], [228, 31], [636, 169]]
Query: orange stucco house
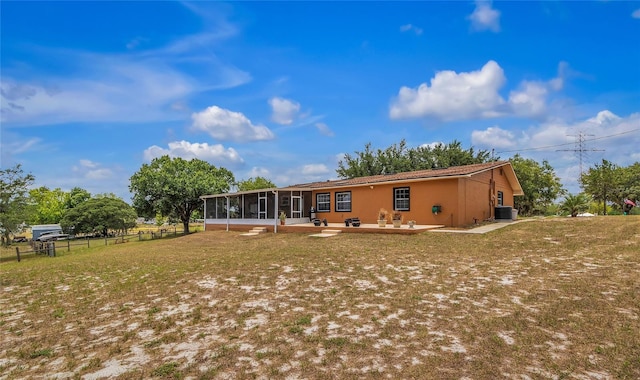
[[455, 196]]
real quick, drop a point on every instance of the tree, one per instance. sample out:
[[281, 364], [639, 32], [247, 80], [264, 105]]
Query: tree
[[601, 181], [540, 184], [49, 205], [100, 214], [76, 196], [255, 184], [575, 204], [399, 158], [609, 183], [172, 187], [14, 201]]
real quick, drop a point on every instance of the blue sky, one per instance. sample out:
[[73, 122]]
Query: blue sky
[[92, 90]]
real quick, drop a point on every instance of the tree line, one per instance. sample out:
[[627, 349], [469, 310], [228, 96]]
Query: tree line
[[171, 188]]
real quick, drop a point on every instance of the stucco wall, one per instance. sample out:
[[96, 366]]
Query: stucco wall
[[462, 200]]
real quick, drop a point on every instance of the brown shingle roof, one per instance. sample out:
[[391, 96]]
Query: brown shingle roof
[[455, 171]]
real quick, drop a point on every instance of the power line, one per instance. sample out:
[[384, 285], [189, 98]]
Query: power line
[[565, 144], [581, 148]]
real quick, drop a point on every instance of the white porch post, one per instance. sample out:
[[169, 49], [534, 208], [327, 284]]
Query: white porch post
[[227, 197], [204, 220], [275, 212]]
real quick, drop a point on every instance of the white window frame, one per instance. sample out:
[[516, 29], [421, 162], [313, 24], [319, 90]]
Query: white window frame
[[327, 202], [397, 191], [340, 204]]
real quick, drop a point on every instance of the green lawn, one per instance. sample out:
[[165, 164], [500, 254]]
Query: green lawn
[[553, 298]]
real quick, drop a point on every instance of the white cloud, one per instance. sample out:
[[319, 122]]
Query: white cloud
[[453, 96], [484, 17], [88, 164], [493, 137], [636, 13], [284, 110], [216, 154], [410, 27], [314, 169], [259, 172], [226, 125], [324, 129], [475, 94], [529, 100], [90, 170]]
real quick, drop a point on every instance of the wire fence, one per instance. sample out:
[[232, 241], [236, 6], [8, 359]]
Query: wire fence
[[51, 248]]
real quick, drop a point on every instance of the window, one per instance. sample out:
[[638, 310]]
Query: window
[[323, 202], [401, 198], [500, 198], [343, 201]]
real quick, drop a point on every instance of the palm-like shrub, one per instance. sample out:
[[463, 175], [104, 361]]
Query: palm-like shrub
[[575, 204]]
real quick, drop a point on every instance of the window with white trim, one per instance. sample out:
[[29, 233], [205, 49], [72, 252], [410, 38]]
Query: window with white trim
[[401, 198], [343, 201], [500, 198], [323, 202]]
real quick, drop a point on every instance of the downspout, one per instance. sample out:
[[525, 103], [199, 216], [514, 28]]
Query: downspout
[[227, 198], [275, 212]]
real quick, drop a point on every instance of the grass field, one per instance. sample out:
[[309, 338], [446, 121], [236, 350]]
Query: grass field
[[553, 298]]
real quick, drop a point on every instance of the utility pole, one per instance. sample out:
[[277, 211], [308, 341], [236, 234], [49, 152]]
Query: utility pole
[[580, 148]]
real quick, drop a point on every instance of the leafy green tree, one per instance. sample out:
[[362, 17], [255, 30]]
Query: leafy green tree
[[601, 182], [540, 184], [172, 187], [76, 196], [575, 204], [49, 205], [14, 201], [255, 184], [399, 158], [99, 214]]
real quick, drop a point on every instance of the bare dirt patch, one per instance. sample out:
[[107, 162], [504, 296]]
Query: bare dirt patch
[[544, 299]]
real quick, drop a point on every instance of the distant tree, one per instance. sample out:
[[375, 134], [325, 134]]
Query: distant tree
[[14, 201], [610, 184], [601, 182], [99, 214], [76, 196], [255, 184], [399, 158], [48, 205], [575, 204], [172, 187], [540, 184]]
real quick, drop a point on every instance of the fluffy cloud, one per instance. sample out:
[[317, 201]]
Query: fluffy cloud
[[284, 110], [453, 95], [484, 17], [227, 125], [475, 94], [493, 137], [216, 154], [315, 169], [410, 27]]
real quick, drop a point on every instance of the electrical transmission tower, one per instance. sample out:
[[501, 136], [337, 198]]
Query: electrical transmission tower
[[581, 148]]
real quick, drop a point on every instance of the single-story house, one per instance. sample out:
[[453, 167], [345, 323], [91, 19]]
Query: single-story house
[[454, 196]]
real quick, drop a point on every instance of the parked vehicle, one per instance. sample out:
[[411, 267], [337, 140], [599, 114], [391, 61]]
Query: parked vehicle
[[52, 237]]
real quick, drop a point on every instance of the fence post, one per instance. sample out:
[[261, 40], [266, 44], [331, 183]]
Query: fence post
[[105, 240], [88, 243], [18, 253], [68, 246]]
